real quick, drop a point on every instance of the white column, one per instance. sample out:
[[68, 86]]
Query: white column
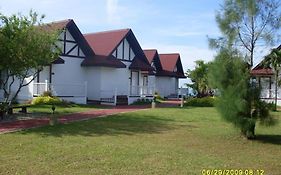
[[115, 96], [46, 85]]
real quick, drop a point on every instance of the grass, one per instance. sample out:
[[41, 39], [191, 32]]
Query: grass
[[45, 110], [158, 141]]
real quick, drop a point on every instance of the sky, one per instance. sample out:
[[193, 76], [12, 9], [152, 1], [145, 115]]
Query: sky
[[169, 26]]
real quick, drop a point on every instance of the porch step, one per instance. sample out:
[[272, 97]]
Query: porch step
[[93, 102], [122, 100], [172, 96]]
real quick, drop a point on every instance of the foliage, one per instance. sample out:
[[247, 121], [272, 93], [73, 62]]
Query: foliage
[[47, 94], [47, 100], [142, 102], [201, 102], [246, 24], [159, 98], [273, 60], [25, 48], [239, 101], [199, 78]]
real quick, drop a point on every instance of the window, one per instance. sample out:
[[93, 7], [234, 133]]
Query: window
[[153, 65]]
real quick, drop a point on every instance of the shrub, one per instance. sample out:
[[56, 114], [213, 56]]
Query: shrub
[[201, 102], [142, 102], [47, 94], [47, 100], [270, 106]]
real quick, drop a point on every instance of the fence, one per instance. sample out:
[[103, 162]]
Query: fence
[[270, 93], [142, 91], [71, 91]]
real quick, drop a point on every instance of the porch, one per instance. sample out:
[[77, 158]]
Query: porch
[[121, 97], [76, 93]]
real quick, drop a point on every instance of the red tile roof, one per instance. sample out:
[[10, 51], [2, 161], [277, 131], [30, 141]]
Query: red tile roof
[[140, 65], [169, 61], [150, 54], [104, 43], [262, 71], [99, 60], [56, 25]]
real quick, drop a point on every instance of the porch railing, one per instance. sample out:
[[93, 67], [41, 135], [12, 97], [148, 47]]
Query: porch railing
[[142, 91], [61, 89], [270, 93]]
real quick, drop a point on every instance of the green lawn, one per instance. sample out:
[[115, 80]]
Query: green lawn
[[159, 141], [45, 110]]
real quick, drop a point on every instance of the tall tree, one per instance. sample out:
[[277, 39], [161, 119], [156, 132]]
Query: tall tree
[[199, 78], [25, 48], [244, 24], [248, 24], [239, 101], [274, 60]]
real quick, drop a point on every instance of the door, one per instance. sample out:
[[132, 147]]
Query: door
[[145, 85], [134, 83]]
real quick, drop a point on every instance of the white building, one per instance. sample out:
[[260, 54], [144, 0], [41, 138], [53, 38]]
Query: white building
[[108, 67], [64, 76], [168, 70], [265, 78], [119, 68]]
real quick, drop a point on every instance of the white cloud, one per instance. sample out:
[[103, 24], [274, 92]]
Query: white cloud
[[112, 11]]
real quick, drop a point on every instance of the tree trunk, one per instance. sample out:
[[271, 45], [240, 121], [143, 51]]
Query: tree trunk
[[248, 130]]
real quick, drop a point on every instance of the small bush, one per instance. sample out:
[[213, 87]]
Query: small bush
[[158, 97], [271, 106], [201, 102], [47, 94], [142, 102], [47, 100]]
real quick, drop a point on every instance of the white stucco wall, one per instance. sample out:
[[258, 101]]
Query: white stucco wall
[[151, 80], [69, 72], [166, 85], [112, 78], [93, 76], [26, 93]]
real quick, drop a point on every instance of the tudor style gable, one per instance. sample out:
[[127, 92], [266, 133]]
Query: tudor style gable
[[124, 51], [71, 41], [153, 58], [114, 48], [69, 46], [172, 65]]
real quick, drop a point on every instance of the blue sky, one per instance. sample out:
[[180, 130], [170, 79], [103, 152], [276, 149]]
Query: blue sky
[[169, 26]]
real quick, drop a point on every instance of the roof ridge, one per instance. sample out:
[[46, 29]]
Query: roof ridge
[[107, 31], [59, 21], [169, 53], [149, 49]]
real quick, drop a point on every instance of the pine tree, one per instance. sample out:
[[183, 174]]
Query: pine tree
[[243, 24]]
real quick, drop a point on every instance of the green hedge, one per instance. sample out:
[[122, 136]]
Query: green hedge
[[47, 100], [142, 102], [201, 102]]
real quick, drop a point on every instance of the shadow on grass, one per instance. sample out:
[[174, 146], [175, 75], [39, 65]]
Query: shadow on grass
[[120, 124], [272, 139]]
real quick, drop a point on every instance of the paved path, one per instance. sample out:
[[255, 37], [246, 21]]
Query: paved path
[[12, 126]]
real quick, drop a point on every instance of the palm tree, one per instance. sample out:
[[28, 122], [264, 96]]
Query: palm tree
[[274, 61]]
